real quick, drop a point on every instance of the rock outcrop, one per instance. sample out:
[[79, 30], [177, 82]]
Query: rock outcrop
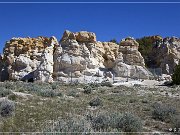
[[81, 54], [76, 55], [167, 54], [129, 62], [29, 58]]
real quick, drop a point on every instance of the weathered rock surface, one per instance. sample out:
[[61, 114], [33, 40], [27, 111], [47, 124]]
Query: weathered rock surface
[[29, 58], [167, 54], [77, 54], [129, 62], [81, 54]]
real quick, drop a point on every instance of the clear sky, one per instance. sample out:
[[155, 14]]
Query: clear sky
[[108, 21]]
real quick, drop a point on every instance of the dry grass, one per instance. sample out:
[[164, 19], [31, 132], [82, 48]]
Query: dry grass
[[70, 103]]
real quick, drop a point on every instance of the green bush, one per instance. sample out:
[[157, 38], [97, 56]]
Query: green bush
[[94, 85], [106, 83], [95, 102], [54, 85], [71, 125], [4, 92], [73, 93], [87, 89], [59, 94], [146, 45], [163, 112], [9, 85], [114, 41], [129, 123], [176, 75], [100, 123], [47, 93], [116, 122], [12, 97], [176, 123], [7, 108]]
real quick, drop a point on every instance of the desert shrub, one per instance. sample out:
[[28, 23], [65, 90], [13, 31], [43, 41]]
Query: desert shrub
[[47, 93], [87, 89], [95, 102], [100, 123], [59, 94], [168, 83], [37, 87], [129, 123], [73, 93], [106, 83], [102, 91], [32, 87], [4, 92], [145, 101], [7, 108], [114, 119], [176, 75], [163, 112], [133, 100], [116, 91], [54, 85], [94, 85], [176, 123], [123, 88], [12, 96], [74, 126], [103, 121], [9, 85], [116, 122], [137, 85]]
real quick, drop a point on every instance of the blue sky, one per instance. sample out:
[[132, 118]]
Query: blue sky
[[106, 20]]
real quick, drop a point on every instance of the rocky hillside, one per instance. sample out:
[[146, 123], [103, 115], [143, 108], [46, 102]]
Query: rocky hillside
[[160, 53], [167, 54], [80, 54]]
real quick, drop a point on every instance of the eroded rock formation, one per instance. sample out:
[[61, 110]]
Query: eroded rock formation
[[81, 54], [44, 59], [129, 61], [167, 54], [29, 58]]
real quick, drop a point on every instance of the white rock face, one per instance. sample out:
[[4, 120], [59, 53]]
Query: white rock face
[[76, 55], [82, 55], [45, 70], [22, 68], [32, 58]]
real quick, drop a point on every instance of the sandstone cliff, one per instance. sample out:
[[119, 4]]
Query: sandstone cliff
[[44, 59]]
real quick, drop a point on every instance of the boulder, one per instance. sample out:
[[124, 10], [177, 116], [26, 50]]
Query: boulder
[[84, 36]]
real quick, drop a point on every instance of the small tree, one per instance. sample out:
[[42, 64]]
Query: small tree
[[176, 75], [114, 41]]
